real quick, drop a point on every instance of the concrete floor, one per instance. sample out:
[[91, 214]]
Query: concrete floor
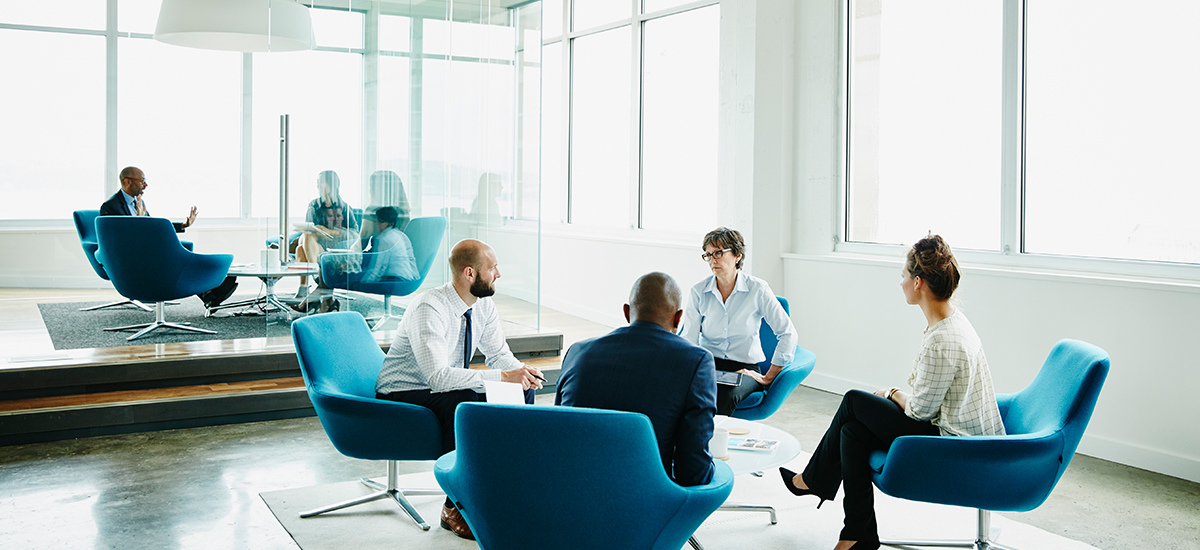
[[198, 488]]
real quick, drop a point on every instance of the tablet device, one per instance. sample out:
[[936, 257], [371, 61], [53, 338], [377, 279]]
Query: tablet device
[[729, 378]]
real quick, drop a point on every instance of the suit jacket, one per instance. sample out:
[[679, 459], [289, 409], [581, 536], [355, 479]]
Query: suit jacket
[[115, 206], [645, 369]]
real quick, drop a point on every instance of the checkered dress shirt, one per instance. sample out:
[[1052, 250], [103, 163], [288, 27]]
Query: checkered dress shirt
[[427, 352], [951, 383]]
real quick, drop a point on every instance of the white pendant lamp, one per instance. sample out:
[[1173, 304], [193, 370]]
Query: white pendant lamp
[[235, 25]]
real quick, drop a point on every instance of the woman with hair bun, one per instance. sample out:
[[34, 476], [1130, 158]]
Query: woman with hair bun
[[952, 395]]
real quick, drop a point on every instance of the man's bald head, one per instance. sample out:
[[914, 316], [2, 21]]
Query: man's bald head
[[467, 253], [656, 298]]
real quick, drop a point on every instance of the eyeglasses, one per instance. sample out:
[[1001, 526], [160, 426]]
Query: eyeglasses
[[714, 254]]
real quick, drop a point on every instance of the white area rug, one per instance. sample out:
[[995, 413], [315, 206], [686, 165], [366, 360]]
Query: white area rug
[[381, 524]]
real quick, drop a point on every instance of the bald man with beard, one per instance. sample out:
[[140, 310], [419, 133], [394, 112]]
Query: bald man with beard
[[438, 335], [646, 368]]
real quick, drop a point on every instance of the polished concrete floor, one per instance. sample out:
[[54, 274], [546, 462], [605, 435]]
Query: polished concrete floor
[[198, 488]]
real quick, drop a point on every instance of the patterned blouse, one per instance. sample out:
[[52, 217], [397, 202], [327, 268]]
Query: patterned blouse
[[951, 383]]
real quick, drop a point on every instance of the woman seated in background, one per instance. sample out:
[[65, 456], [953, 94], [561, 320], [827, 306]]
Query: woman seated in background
[[316, 234], [723, 316], [952, 395], [345, 241]]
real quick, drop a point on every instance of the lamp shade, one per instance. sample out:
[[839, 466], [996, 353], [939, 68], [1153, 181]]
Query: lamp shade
[[235, 25]]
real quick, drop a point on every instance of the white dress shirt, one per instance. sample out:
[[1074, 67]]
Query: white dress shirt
[[427, 352], [729, 329], [951, 383]]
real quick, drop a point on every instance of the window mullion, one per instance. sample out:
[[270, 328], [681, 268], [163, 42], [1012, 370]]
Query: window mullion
[[635, 107], [110, 100], [1012, 129]]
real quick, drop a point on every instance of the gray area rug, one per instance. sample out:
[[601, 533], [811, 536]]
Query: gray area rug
[[381, 524], [70, 328]]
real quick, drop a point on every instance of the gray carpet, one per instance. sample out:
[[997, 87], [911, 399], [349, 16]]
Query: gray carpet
[[381, 524], [70, 328]]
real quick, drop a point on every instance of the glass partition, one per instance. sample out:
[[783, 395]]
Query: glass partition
[[403, 110]]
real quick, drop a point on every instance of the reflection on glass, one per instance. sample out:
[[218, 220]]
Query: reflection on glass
[[600, 96], [1111, 130], [925, 122], [322, 91], [53, 131], [77, 14], [337, 28], [586, 14], [679, 121], [180, 119]]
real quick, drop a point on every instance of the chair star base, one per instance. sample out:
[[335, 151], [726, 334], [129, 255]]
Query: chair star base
[[383, 491], [983, 538], [159, 322], [736, 507], [387, 314]]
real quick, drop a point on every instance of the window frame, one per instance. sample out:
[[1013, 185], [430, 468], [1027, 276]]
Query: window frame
[[563, 212], [1012, 255]]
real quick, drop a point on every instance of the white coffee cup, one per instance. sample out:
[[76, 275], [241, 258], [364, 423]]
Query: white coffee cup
[[269, 257], [719, 444]]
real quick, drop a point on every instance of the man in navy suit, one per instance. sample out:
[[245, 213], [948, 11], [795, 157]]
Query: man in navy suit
[[646, 368], [128, 202]]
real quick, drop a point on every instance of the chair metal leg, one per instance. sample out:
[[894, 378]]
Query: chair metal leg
[[387, 313], [983, 538], [159, 322], [736, 507], [383, 491], [695, 543], [134, 303]]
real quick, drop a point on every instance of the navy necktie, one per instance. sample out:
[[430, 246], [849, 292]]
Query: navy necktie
[[467, 342]]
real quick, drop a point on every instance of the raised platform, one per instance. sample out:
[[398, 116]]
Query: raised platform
[[84, 393]]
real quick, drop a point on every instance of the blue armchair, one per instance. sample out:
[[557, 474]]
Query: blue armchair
[[425, 235], [146, 261], [1014, 472], [762, 404], [340, 360], [85, 225], [600, 481]]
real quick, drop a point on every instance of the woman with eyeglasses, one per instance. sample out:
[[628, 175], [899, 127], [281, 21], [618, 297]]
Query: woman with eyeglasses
[[952, 395], [724, 313]]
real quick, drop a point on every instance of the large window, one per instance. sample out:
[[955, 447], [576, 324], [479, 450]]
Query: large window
[[638, 90], [1024, 127]]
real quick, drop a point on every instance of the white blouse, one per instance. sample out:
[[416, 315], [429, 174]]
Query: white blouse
[[729, 329], [951, 383]]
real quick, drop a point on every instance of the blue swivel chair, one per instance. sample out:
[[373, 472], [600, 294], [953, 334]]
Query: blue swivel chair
[[762, 404], [145, 261], [85, 225], [1015, 472], [599, 481], [425, 235], [340, 361]]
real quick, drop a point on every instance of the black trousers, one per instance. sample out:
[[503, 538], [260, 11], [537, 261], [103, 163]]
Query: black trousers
[[728, 397], [864, 423], [443, 405]]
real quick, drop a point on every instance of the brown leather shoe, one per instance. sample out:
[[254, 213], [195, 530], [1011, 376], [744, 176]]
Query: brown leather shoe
[[453, 521]]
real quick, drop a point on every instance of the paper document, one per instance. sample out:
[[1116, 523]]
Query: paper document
[[505, 393]]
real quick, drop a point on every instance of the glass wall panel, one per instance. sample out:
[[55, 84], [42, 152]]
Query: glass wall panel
[[554, 174], [137, 15], [552, 13], [679, 121], [925, 89], [394, 33], [1111, 127], [651, 6], [322, 93], [337, 28], [180, 122], [53, 138], [600, 128]]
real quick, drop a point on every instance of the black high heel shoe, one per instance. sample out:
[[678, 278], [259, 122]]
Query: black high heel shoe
[[788, 475]]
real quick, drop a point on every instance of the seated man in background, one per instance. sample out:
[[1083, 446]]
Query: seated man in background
[[394, 252], [428, 363], [128, 202], [646, 368]]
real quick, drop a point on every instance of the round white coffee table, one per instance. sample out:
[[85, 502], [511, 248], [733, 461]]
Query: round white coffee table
[[269, 274], [756, 462]]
